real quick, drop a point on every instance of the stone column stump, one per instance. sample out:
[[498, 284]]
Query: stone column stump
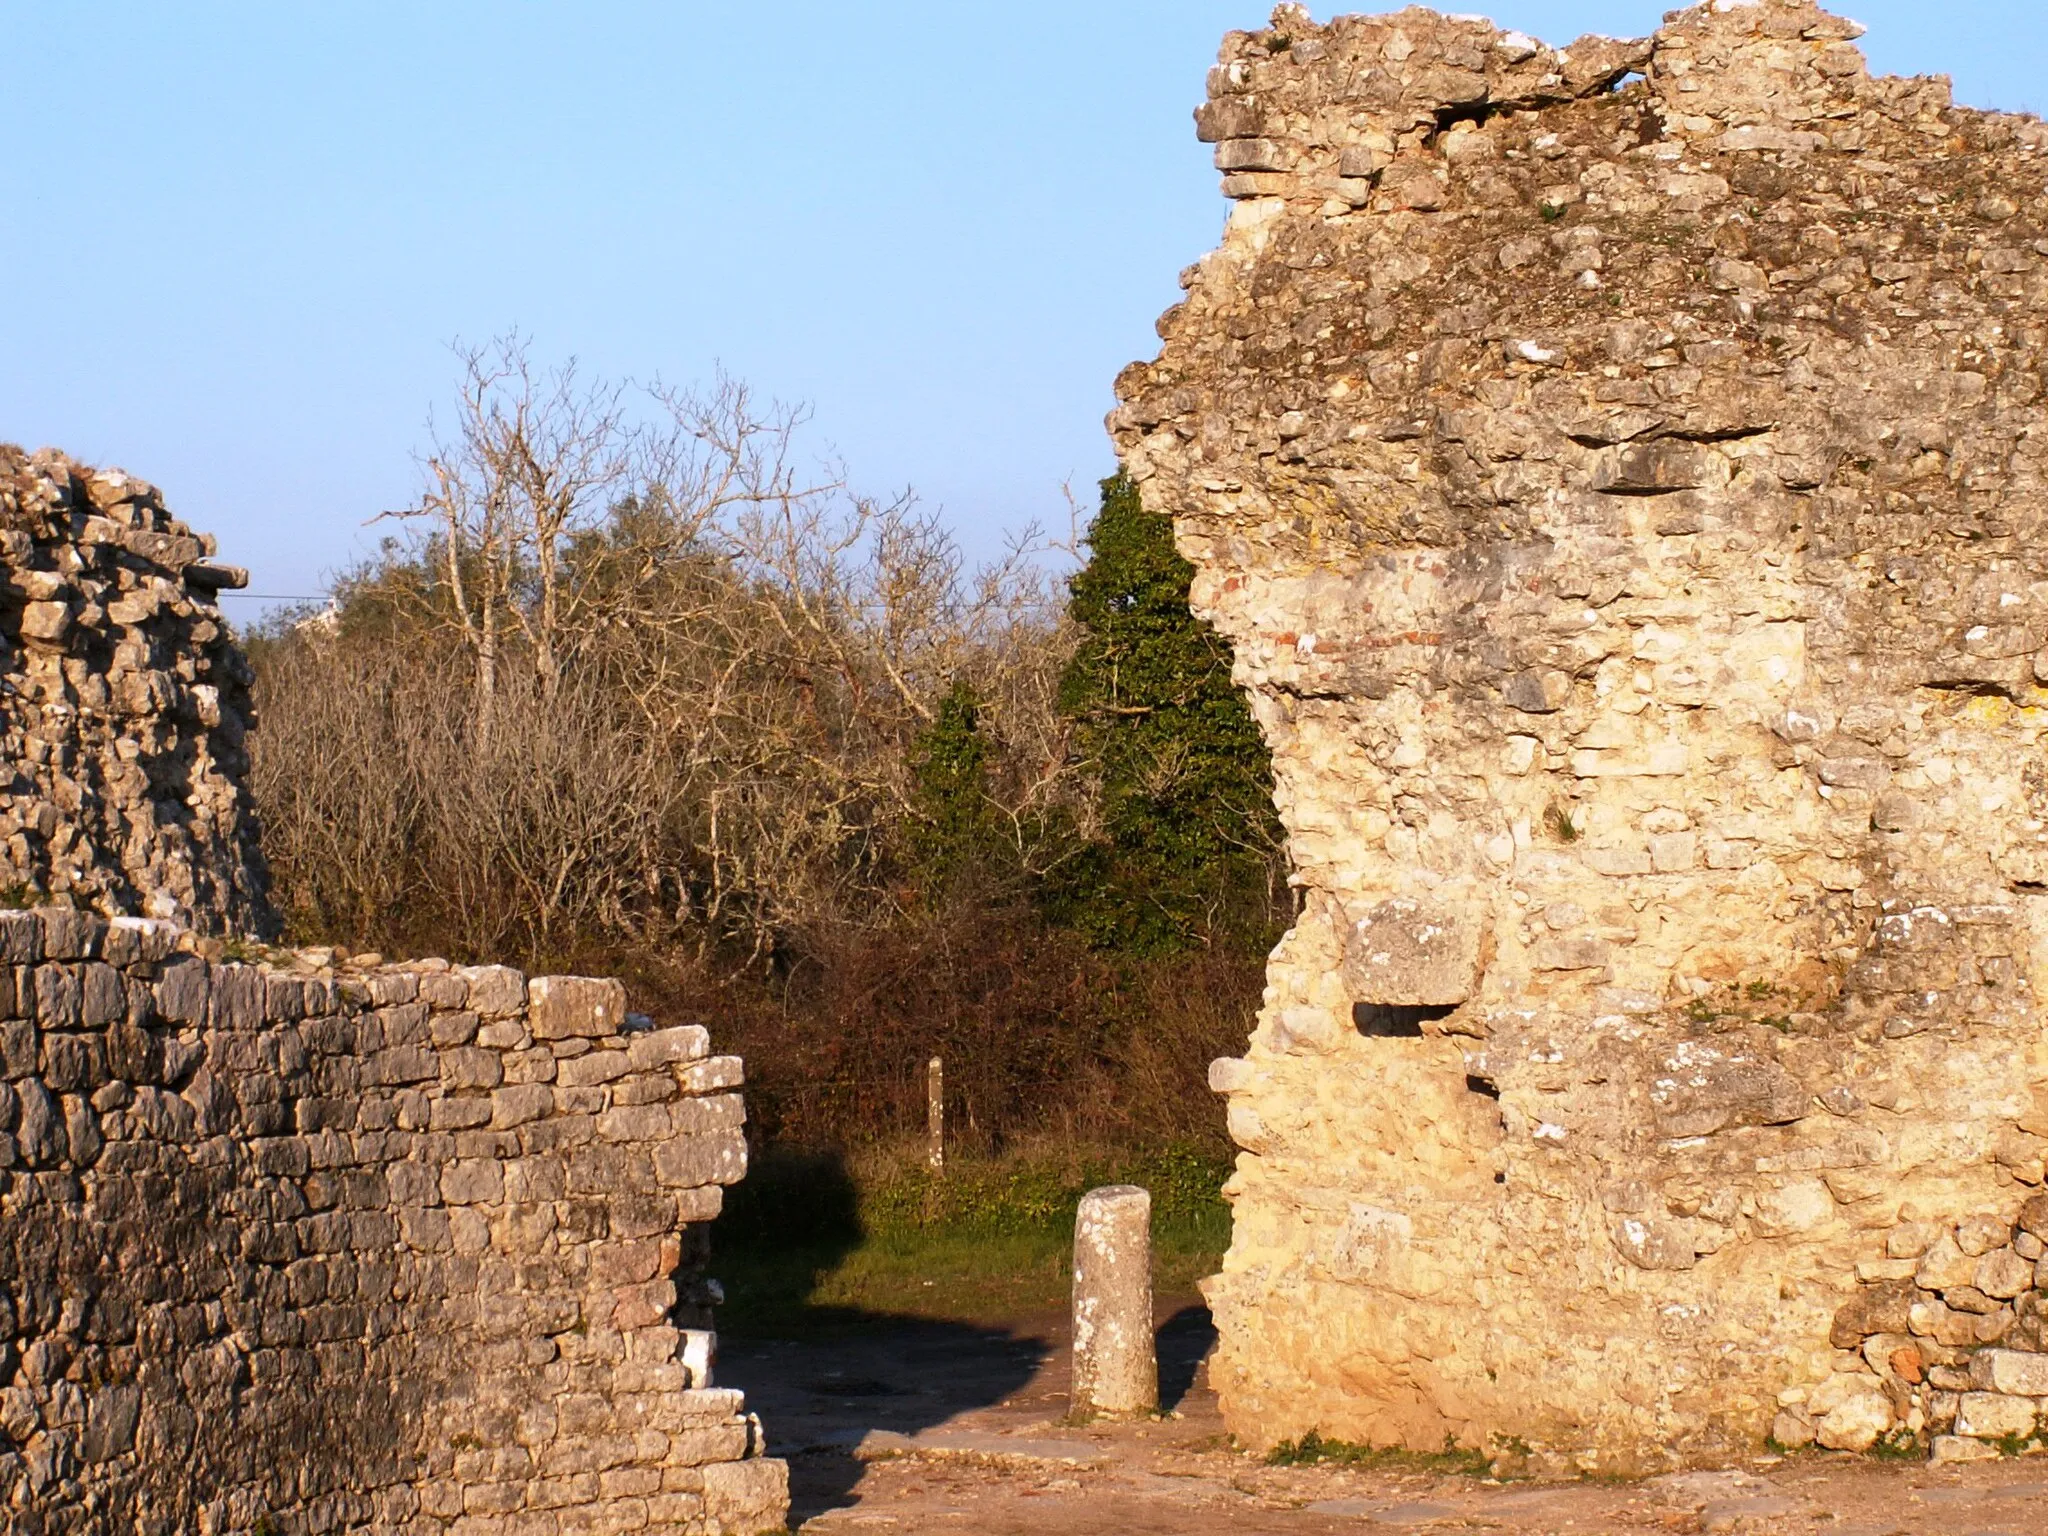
[[1115, 1370]]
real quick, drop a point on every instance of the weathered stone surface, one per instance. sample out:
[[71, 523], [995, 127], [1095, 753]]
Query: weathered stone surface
[[1882, 1308], [1856, 1422], [1626, 508], [1115, 1368], [575, 1007], [1993, 1416], [127, 705], [2012, 1372]]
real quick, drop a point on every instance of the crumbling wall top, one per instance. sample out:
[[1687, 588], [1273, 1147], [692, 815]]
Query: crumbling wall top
[[124, 704]]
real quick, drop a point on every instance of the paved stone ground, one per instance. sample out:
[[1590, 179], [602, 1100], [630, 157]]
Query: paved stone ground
[[918, 1426]]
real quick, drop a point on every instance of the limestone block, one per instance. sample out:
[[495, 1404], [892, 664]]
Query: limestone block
[[1994, 1416], [745, 1496], [665, 1047], [2003, 1274], [574, 1007], [1857, 1421], [1949, 1450], [1411, 952], [2016, 1373], [495, 991]]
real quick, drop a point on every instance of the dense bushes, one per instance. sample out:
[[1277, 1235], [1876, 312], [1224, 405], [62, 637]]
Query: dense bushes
[[643, 693]]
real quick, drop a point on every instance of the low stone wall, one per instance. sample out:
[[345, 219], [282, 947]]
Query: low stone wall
[[309, 1246]]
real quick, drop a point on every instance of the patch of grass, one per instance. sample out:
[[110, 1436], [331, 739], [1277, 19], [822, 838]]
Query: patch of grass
[[1313, 1450], [1551, 212], [20, 896], [2010, 1446], [1557, 821], [810, 1244], [1899, 1445]]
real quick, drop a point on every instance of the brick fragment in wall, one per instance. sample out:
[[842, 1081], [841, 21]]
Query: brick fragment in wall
[[1623, 499], [128, 705], [397, 1286]]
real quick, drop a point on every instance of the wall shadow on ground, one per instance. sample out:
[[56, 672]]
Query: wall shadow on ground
[[1183, 1341], [823, 1377]]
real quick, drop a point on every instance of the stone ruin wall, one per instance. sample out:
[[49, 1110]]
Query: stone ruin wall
[[310, 1245], [1620, 473], [293, 1242], [124, 704]]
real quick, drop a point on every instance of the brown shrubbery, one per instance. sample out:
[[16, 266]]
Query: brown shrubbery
[[640, 693]]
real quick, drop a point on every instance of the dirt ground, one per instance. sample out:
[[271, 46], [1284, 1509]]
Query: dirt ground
[[914, 1426]]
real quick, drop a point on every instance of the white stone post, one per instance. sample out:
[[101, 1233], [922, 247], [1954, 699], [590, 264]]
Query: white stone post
[[935, 1115], [1115, 1369]]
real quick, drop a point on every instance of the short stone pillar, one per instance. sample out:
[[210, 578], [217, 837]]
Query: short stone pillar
[[1115, 1369]]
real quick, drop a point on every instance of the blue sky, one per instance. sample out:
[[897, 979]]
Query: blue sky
[[240, 237]]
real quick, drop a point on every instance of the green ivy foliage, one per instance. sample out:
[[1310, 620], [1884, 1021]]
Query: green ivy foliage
[[954, 835], [1190, 846]]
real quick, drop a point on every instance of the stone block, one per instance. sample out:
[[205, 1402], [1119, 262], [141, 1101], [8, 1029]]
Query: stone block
[[2003, 1274], [2017, 1373], [182, 991], [591, 1067], [21, 937], [740, 1493], [667, 1047], [518, 1105], [1994, 1416], [713, 1076], [1409, 952], [1950, 1450], [572, 1007], [1857, 1421], [685, 1161], [636, 1122]]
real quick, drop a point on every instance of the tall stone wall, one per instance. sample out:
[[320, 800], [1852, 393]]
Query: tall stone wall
[[1620, 472], [123, 704], [307, 1245]]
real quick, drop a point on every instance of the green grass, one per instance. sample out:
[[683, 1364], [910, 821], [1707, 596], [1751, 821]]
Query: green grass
[[808, 1244], [1313, 1450]]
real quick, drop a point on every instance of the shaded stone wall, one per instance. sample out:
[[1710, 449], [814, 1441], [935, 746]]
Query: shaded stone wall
[[123, 704], [1620, 473], [305, 1245]]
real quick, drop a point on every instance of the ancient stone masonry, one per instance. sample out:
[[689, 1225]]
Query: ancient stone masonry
[[123, 704], [1621, 473], [313, 1245]]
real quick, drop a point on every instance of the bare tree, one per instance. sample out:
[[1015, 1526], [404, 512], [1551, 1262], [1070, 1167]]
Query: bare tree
[[695, 664], [532, 457]]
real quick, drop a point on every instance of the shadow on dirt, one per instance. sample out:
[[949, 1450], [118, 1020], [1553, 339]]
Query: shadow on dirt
[[824, 1378], [1183, 1342], [822, 1396]]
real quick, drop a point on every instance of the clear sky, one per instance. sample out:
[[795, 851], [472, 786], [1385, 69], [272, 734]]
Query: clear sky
[[239, 238]]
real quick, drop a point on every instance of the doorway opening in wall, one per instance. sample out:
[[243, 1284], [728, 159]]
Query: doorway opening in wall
[[1402, 1021]]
